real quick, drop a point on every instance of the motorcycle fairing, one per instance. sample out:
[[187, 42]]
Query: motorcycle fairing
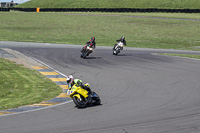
[[78, 90]]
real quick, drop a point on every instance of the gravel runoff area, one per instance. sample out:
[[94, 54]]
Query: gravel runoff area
[[18, 57]]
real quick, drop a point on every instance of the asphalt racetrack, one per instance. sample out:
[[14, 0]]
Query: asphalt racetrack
[[141, 92]]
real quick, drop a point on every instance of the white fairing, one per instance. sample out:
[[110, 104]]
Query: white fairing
[[88, 48], [119, 44]]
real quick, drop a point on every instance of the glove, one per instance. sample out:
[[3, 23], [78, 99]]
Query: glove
[[79, 84]]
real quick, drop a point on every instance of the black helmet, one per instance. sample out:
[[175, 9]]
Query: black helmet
[[93, 39], [123, 37]]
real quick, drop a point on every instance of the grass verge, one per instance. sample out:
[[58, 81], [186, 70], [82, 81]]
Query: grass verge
[[77, 28], [167, 4], [182, 55], [22, 86]]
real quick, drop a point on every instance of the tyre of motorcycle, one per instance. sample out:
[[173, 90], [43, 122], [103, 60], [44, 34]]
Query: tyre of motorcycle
[[96, 99], [81, 55], [115, 52], [79, 103], [88, 53], [84, 55]]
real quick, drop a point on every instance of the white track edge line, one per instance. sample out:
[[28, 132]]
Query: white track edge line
[[15, 113], [48, 66]]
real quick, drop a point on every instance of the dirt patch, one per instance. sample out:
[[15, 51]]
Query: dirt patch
[[22, 59]]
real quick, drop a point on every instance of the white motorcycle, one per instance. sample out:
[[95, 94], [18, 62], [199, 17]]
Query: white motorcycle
[[117, 48]]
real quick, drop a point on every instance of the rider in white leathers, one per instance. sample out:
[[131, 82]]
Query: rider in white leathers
[[122, 39]]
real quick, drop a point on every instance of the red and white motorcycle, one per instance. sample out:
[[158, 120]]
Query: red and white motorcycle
[[86, 51]]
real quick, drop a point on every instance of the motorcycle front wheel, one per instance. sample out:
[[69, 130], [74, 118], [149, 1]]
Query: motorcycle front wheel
[[115, 52], [79, 103], [84, 55]]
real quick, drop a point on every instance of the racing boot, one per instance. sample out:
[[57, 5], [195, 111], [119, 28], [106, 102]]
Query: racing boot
[[82, 50], [89, 95]]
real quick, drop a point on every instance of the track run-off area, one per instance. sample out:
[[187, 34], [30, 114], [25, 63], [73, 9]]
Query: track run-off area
[[141, 92]]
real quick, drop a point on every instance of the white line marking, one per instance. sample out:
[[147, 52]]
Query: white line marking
[[48, 66], [36, 109]]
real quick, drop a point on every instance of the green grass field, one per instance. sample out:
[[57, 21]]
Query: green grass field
[[22, 86], [74, 28], [166, 4]]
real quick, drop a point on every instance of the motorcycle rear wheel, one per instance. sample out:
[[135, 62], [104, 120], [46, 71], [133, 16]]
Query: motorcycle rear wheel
[[98, 100], [79, 104]]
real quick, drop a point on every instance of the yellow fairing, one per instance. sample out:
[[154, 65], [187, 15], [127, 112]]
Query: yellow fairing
[[83, 92], [77, 95], [78, 90]]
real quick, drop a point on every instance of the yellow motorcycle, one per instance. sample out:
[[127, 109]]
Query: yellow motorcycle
[[81, 98]]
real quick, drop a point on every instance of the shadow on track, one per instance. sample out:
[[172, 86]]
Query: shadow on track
[[123, 55], [89, 106], [93, 57]]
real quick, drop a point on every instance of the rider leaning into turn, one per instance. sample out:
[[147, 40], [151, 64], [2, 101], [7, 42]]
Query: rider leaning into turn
[[122, 39], [71, 81], [90, 43]]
